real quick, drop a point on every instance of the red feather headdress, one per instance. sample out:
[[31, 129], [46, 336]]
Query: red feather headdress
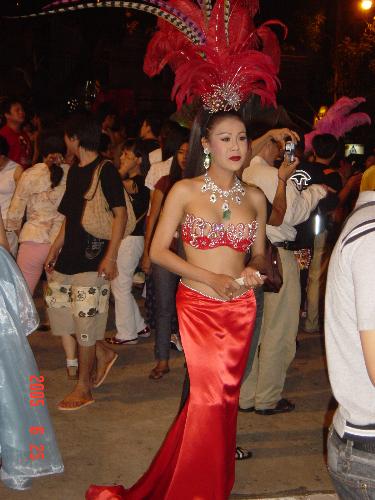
[[215, 51]]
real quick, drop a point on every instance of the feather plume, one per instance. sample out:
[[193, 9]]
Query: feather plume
[[339, 120]]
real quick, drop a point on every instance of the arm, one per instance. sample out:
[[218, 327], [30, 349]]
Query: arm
[[152, 219], [363, 275], [18, 204], [173, 212], [279, 204], [257, 262], [55, 249], [368, 348], [108, 264], [277, 134], [3, 238]]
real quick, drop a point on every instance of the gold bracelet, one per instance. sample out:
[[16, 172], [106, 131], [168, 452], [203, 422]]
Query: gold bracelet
[[111, 260], [283, 180]]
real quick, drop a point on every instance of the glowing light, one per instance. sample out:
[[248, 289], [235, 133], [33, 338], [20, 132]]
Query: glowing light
[[366, 4]]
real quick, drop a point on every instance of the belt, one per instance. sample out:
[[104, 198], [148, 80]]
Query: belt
[[367, 445], [286, 245]]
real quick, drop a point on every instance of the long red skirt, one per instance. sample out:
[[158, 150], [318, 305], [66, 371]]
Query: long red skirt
[[197, 458]]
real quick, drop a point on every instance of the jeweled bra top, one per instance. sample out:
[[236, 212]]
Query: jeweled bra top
[[205, 235]]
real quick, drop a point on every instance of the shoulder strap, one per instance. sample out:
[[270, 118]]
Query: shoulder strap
[[365, 205], [350, 237], [90, 193]]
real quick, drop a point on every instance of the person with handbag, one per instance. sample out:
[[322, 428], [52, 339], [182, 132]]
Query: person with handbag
[[82, 259], [277, 344], [130, 324]]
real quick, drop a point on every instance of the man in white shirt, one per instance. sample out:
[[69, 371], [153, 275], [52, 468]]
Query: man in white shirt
[[264, 385], [350, 347]]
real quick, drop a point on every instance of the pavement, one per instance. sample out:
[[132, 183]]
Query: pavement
[[114, 440]]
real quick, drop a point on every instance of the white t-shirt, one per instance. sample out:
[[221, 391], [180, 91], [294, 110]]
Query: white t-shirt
[[155, 156], [349, 309], [157, 171]]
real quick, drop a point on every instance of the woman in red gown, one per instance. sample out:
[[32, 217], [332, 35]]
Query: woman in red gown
[[221, 219]]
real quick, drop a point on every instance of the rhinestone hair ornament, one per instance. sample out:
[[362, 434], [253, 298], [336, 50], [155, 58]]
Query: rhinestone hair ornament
[[215, 51]]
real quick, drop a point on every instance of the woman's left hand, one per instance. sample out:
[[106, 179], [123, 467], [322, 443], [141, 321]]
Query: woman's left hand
[[252, 277], [107, 269]]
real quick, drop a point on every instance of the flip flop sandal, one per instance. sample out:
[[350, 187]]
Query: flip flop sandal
[[242, 454], [115, 341], [74, 408], [104, 376]]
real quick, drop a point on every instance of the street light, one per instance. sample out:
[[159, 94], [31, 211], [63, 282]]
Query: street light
[[366, 4]]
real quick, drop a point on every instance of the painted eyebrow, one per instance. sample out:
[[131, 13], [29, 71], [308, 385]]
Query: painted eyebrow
[[229, 133]]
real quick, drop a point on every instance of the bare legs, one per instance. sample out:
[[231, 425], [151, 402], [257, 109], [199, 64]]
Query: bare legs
[[81, 394], [70, 347]]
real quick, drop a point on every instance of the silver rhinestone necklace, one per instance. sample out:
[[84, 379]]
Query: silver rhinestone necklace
[[235, 194]]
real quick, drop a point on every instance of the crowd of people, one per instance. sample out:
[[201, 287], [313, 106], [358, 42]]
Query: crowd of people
[[174, 192]]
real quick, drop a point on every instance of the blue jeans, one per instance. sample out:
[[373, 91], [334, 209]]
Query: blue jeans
[[165, 284], [352, 471]]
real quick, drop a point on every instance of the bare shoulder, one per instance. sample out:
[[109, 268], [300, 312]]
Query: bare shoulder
[[185, 187]]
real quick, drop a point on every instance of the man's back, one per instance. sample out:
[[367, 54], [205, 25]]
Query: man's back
[[350, 308]]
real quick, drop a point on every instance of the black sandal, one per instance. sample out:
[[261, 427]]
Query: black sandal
[[242, 454]]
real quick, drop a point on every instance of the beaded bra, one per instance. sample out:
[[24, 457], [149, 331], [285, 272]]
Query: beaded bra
[[205, 235]]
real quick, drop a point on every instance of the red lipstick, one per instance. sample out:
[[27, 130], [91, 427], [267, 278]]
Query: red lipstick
[[235, 158]]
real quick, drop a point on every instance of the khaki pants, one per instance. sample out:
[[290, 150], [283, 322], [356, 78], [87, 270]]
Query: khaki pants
[[316, 284], [263, 386]]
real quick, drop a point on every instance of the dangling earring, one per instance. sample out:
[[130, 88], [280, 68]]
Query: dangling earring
[[207, 159]]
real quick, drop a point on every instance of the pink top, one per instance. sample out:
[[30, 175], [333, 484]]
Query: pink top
[[205, 235]]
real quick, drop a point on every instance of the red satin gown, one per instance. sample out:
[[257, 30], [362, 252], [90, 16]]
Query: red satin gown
[[197, 458]]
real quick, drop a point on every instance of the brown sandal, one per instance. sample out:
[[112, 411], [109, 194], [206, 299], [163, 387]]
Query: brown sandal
[[158, 373]]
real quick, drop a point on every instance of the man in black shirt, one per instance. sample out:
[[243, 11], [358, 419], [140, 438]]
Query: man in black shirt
[[313, 233], [149, 135], [80, 266]]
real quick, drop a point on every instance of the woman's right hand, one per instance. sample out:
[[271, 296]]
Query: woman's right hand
[[51, 259], [224, 285], [146, 263]]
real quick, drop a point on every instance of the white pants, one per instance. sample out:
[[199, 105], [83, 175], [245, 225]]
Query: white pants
[[128, 317]]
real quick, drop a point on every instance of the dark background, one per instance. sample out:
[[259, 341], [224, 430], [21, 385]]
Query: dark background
[[48, 60]]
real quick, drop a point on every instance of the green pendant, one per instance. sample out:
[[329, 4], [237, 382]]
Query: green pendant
[[226, 214]]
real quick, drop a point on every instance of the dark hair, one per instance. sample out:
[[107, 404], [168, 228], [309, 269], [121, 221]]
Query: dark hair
[[49, 142], [325, 145], [7, 104], [203, 123], [86, 129], [134, 145], [173, 140], [155, 123], [4, 146], [105, 141], [105, 109], [175, 173]]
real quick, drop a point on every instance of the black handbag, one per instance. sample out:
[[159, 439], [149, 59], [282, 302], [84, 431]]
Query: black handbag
[[273, 269]]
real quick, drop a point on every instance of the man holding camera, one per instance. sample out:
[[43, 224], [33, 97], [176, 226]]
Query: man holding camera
[[262, 388]]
